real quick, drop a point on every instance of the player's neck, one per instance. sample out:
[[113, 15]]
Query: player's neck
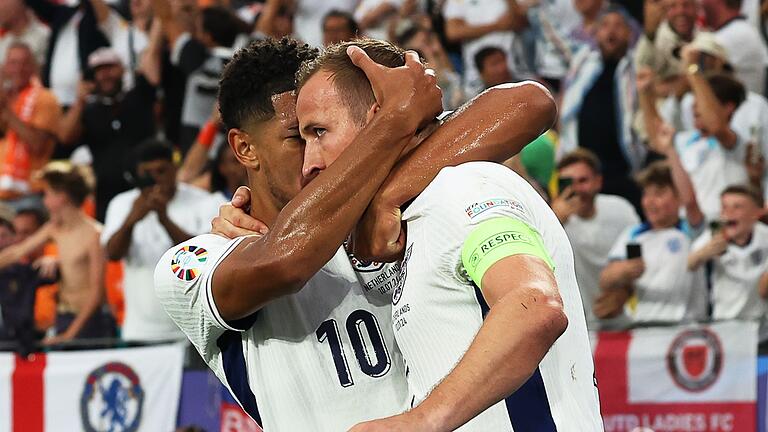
[[263, 205]]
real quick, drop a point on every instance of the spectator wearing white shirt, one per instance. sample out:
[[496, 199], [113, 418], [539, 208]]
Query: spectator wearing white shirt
[[477, 24], [141, 224], [593, 222], [654, 284], [375, 17], [19, 24], [713, 154], [746, 49], [667, 27], [737, 248], [309, 17]]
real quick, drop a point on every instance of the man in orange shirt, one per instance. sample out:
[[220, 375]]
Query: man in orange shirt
[[29, 116]]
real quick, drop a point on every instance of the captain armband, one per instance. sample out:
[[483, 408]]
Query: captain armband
[[499, 238]]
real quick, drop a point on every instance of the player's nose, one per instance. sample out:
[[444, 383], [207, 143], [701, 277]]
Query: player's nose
[[313, 165]]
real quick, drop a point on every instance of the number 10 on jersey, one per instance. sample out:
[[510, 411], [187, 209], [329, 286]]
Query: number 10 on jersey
[[359, 323]]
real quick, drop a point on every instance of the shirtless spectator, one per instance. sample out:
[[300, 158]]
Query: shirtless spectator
[[79, 311]]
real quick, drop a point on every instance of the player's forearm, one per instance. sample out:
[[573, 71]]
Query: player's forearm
[[494, 126], [514, 338], [310, 229]]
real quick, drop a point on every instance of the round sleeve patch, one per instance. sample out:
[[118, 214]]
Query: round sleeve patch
[[188, 261]]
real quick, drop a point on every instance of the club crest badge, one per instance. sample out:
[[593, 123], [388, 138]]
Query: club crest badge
[[112, 399], [695, 359]]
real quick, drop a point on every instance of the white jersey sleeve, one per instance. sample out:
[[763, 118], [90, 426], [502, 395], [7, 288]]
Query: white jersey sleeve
[[183, 285]]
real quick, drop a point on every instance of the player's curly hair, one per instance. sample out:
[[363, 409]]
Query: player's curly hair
[[256, 73]]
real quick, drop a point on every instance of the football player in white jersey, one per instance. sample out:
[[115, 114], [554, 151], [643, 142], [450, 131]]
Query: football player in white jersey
[[321, 357], [478, 236]]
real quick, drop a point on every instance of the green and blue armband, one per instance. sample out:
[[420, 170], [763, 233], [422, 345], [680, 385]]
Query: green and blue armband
[[499, 238]]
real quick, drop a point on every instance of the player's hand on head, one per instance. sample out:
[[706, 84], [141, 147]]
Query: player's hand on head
[[233, 220], [380, 234], [411, 89]]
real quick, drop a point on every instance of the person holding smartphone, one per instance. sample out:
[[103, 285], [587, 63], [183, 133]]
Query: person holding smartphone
[[141, 224], [737, 247], [647, 280], [593, 221]]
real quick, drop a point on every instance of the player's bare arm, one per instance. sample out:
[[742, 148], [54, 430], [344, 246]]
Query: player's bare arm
[[313, 225], [494, 126]]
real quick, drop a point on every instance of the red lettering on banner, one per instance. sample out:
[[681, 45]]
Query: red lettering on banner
[[611, 360], [27, 394], [234, 419]]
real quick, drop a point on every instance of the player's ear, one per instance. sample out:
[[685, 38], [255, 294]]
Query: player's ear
[[245, 151], [371, 112]]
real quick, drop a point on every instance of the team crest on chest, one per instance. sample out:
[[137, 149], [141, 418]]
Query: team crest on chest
[[360, 265], [188, 261], [674, 245], [398, 293]]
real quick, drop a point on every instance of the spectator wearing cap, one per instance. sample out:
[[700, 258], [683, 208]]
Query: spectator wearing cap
[[744, 46], [477, 25], [75, 35], [19, 24], [592, 220], [339, 26], [111, 122], [310, 15], [737, 248], [666, 28], [141, 224], [712, 153], [80, 311], [649, 282], [599, 102], [29, 115], [415, 36], [750, 120]]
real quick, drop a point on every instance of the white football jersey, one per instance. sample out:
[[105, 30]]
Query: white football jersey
[[323, 359], [437, 311]]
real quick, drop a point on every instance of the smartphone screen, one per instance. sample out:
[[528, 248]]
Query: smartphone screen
[[634, 250], [563, 182]]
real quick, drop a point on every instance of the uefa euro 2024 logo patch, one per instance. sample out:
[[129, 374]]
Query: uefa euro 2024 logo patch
[[483, 206], [188, 262], [112, 399]]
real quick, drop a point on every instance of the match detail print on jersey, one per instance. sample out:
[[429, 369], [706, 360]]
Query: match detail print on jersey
[[499, 238]]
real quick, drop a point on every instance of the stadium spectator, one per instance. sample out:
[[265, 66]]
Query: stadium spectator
[[80, 312], [29, 115], [201, 54], [141, 224], [667, 27], [599, 102], [19, 24], [310, 15], [19, 283], [491, 63], [376, 17], [75, 34], [111, 122], [713, 154], [593, 222], [648, 262], [590, 11], [128, 38], [7, 233], [338, 27], [414, 36], [736, 247], [552, 22], [746, 50], [477, 25], [276, 19]]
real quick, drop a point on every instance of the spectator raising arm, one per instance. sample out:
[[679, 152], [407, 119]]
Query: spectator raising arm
[[714, 114], [39, 141], [71, 125], [267, 20], [661, 140], [457, 30], [14, 253]]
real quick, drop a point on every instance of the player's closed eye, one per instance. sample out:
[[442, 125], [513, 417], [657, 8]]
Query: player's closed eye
[[319, 131]]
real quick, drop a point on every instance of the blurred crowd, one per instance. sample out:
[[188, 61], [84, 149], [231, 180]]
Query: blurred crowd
[[111, 149]]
